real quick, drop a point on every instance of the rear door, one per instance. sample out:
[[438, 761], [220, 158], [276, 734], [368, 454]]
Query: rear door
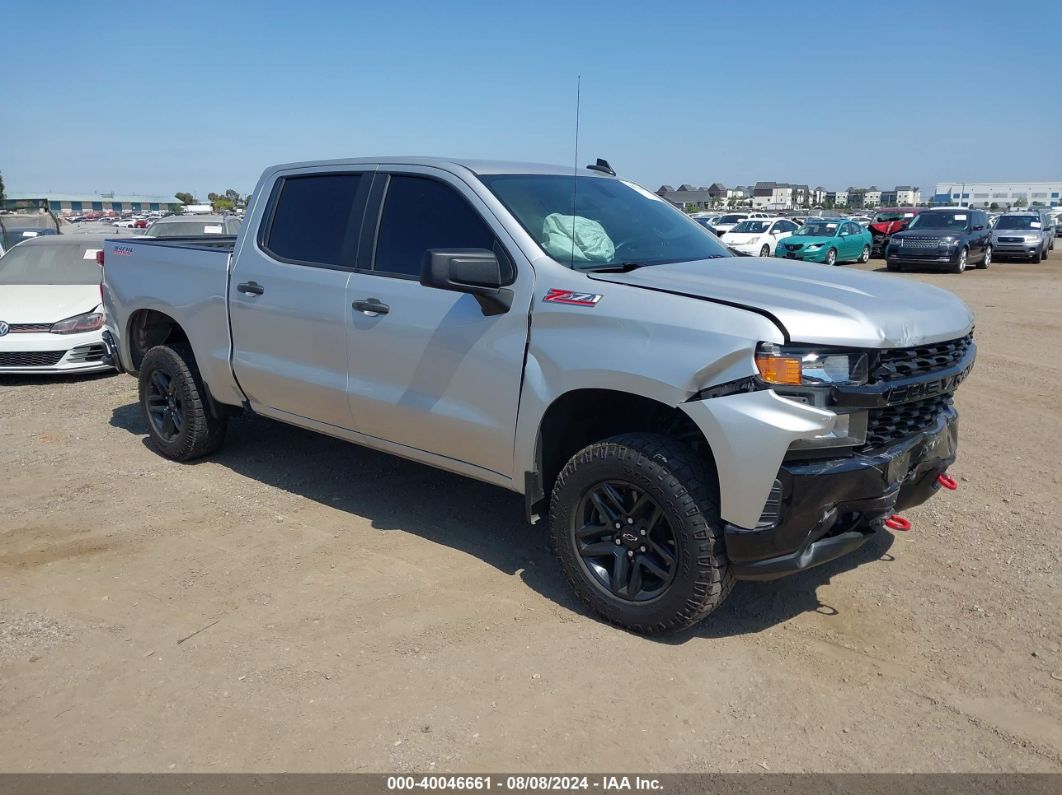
[[287, 296], [432, 371]]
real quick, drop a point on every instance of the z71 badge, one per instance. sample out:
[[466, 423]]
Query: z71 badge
[[555, 296]]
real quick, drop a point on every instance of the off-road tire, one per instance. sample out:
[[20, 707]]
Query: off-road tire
[[201, 432], [684, 487]]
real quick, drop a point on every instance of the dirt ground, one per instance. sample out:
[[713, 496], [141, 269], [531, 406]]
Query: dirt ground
[[299, 604]]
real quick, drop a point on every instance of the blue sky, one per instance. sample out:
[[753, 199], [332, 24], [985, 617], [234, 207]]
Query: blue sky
[[200, 96]]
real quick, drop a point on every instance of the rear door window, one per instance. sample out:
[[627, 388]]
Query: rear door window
[[313, 220], [419, 214]]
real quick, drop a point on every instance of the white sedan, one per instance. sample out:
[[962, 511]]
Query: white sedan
[[51, 318], [759, 236]]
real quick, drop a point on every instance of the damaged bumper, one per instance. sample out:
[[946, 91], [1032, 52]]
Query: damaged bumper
[[828, 508]]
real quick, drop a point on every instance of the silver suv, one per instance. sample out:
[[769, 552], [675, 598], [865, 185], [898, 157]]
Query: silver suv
[[1025, 235]]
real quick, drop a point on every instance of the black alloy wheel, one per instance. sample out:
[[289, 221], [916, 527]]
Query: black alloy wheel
[[164, 405], [624, 541]]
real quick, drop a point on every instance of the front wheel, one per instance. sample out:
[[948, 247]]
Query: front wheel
[[765, 251], [634, 521], [173, 403], [960, 264], [865, 256], [987, 259], [831, 257]]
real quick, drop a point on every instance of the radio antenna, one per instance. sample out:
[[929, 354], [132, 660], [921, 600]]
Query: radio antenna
[[575, 162]]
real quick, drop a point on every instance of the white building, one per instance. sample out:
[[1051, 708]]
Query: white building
[[1002, 194], [872, 198], [908, 196]]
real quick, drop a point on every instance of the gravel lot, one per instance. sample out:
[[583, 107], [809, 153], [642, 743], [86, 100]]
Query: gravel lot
[[300, 604]]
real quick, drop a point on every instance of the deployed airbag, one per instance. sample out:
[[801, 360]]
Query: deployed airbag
[[589, 244]]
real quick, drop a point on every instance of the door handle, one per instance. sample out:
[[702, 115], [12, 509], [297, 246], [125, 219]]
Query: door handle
[[250, 288], [372, 307]]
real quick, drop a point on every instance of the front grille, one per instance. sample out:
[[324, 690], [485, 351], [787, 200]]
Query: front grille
[[1012, 240], [30, 328], [917, 242], [793, 246], [86, 353], [923, 360], [898, 422], [30, 358]]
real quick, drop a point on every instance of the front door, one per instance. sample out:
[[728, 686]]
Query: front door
[[288, 305], [430, 369]]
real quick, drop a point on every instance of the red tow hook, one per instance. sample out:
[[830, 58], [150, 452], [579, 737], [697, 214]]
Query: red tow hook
[[947, 482], [897, 522]]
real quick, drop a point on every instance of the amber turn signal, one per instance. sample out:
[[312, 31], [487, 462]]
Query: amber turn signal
[[779, 369]]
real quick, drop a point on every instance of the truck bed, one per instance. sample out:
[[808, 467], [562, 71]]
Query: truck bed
[[185, 279]]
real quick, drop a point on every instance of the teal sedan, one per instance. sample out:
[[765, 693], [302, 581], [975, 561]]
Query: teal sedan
[[828, 240]]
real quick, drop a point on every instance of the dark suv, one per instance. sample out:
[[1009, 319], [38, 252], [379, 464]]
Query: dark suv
[[947, 238]]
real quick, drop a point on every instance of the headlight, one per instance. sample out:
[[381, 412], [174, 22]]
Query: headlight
[[813, 247], [796, 365], [1032, 239], [948, 242], [90, 321], [806, 374]]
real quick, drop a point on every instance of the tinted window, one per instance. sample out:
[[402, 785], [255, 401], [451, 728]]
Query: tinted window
[[421, 214], [312, 217]]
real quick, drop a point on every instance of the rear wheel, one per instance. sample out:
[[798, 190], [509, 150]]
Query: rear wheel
[[765, 251], [173, 403], [831, 257], [960, 264], [865, 256], [634, 521], [987, 260]]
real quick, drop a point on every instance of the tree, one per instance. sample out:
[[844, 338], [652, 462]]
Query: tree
[[993, 206], [1, 188], [184, 198], [1037, 204], [1020, 203]]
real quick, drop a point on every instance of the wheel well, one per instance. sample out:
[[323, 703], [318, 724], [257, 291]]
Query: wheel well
[[148, 328], [584, 416]]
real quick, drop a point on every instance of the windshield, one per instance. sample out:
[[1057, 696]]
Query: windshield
[[956, 220], [751, 227], [818, 229], [882, 217], [614, 222], [186, 228], [69, 263], [1018, 222], [732, 219]]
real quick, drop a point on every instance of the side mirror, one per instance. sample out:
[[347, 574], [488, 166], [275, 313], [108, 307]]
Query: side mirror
[[472, 270]]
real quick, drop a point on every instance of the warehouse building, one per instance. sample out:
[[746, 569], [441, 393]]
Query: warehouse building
[[1001, 194], [73, 203]]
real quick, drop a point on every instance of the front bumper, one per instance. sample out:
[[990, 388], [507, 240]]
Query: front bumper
[[831, 507], [47, 353], [923, 256], [815, 255], [1022, 250]]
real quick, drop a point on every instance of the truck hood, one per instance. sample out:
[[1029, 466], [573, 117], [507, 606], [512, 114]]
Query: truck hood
[[46, 303], [813, 303]]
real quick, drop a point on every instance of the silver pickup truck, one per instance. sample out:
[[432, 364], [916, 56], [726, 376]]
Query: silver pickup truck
[[684, 417]]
